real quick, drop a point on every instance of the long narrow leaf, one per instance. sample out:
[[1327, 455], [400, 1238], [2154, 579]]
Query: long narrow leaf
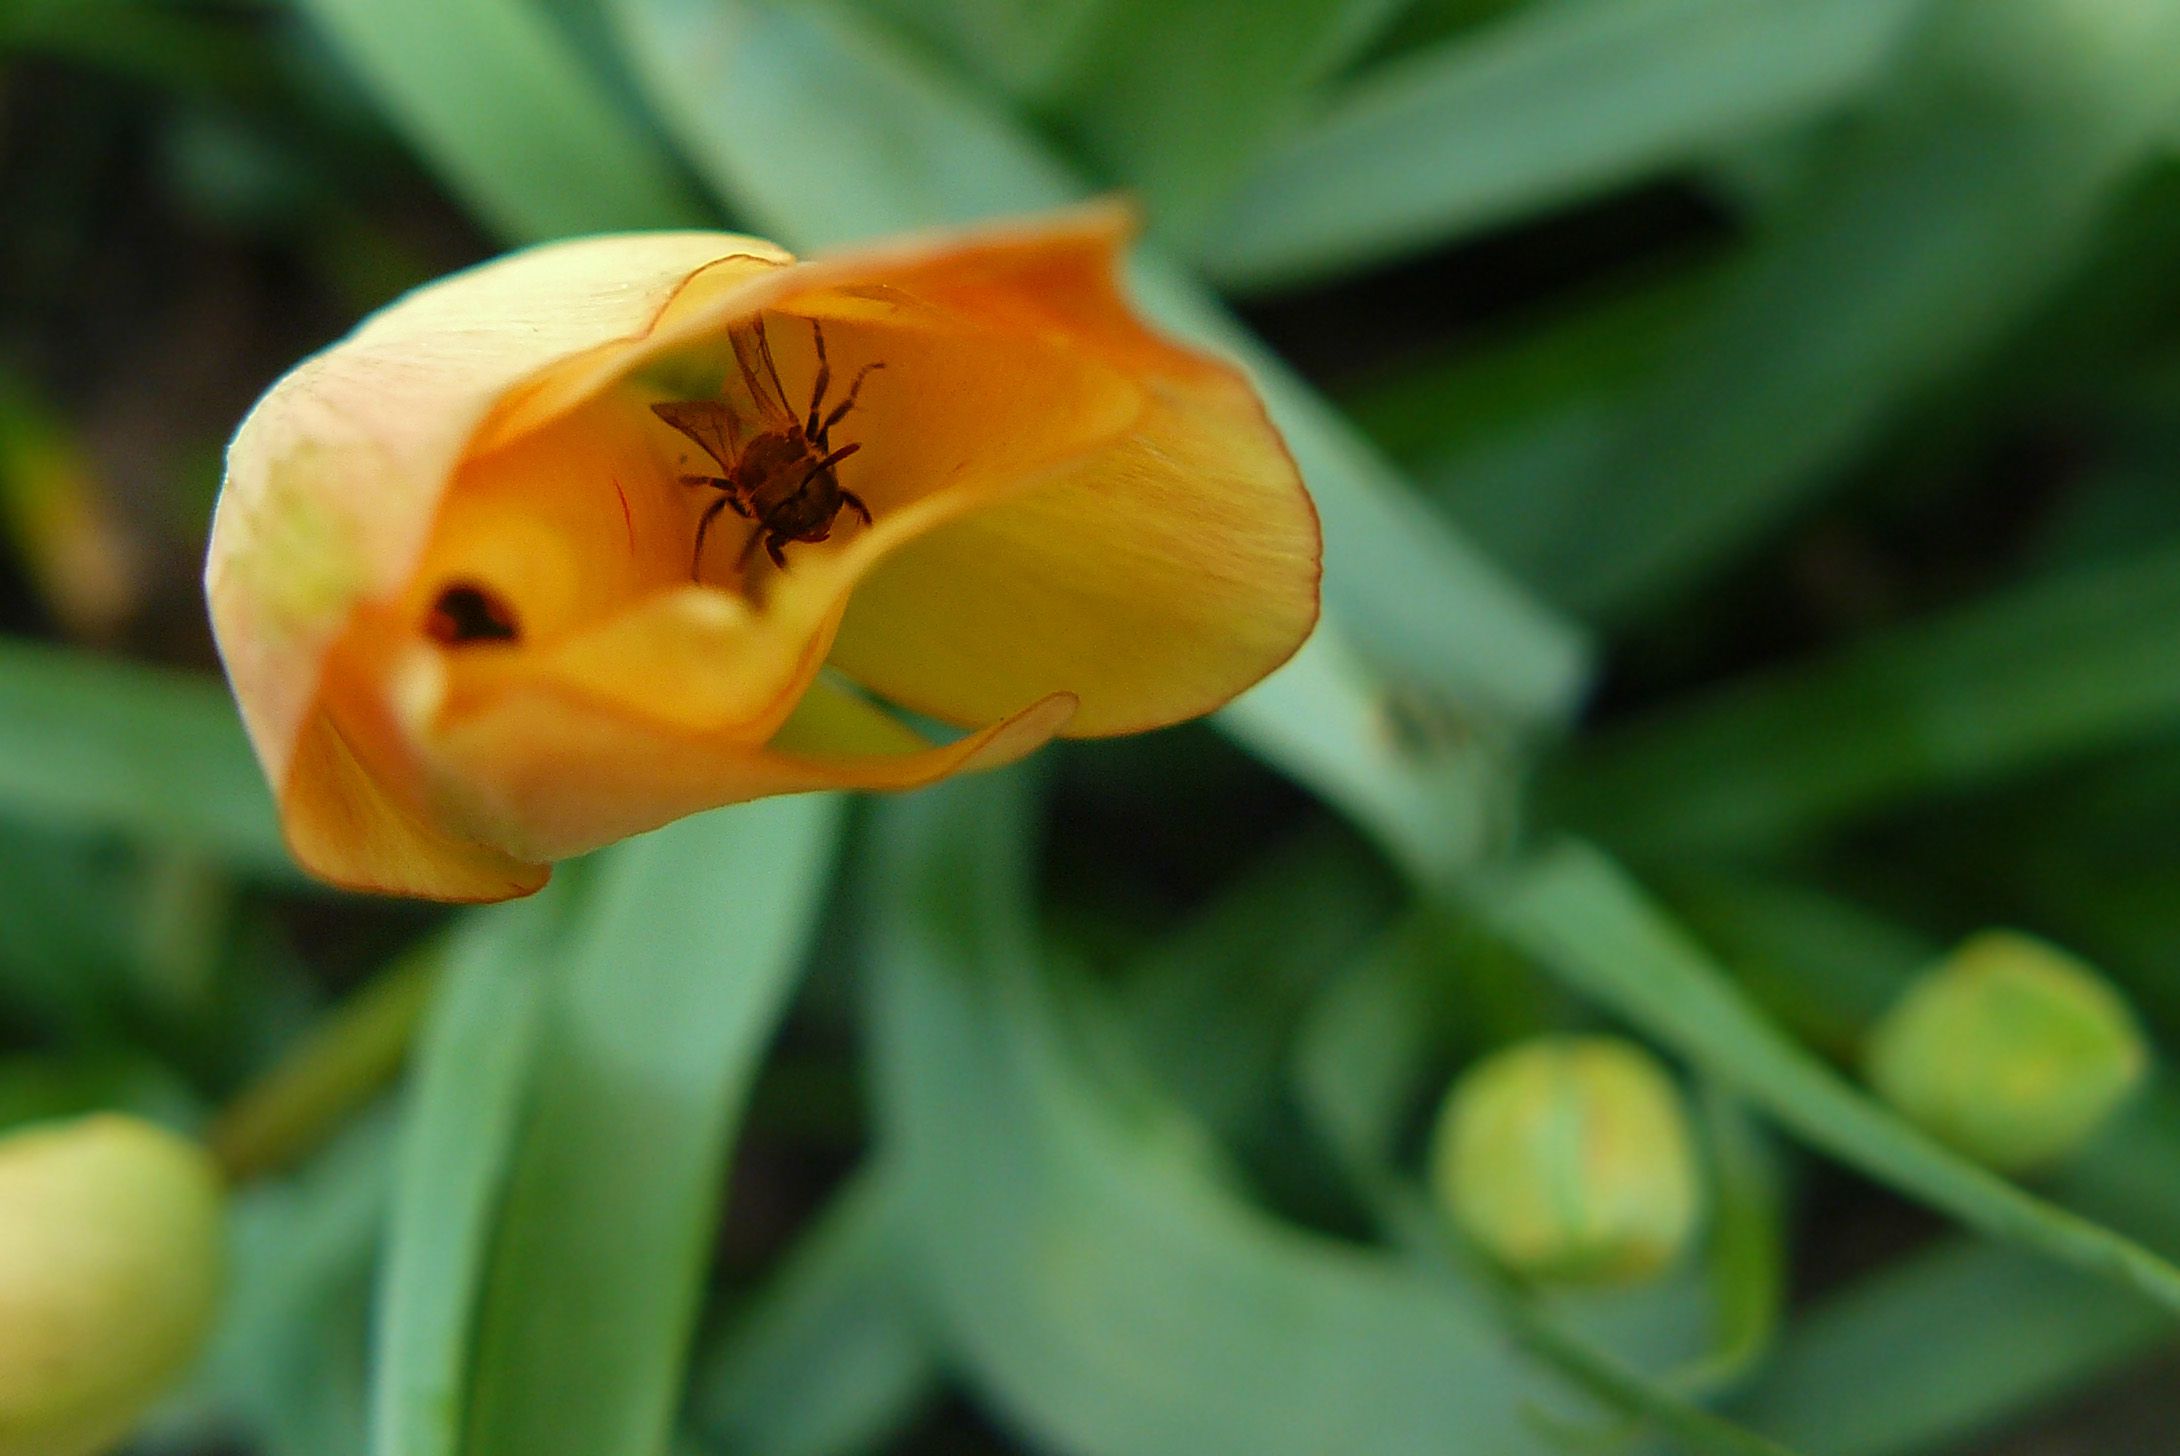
[[88, 744], [1955, 1339], [504, 106], [1553, 103], [289, 1357], [1943, 1345], [1028, 50], [1573, 910], [832, 1357], [1097, 1276], [1176, 97], [2062, 667], [1213, 1007], [1935, 226], [662, 997], [471, 1071]]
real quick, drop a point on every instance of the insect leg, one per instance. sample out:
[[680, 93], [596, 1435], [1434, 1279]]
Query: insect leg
[[854, 503], [735, 500], [704, 525], [757, 538], [830, 461], [772, 549], [840, 410], [824, 377]]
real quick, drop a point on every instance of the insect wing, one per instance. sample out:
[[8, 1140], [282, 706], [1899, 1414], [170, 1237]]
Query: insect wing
[[750, 351], [707, 422]]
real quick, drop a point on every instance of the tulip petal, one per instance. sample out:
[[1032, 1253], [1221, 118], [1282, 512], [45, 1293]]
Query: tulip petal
[[1156, 578], [504, 774], [837, 739], [345, 825], [1155, 572], [560, 549], [334, 480]]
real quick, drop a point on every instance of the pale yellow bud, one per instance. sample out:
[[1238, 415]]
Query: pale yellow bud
[[1568, 1159], [2009, 1049], [110, 1252]]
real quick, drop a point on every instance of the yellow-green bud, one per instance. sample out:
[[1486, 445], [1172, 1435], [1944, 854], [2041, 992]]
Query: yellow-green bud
[[110, 1253], [1568, 1159], [2009, 1049]]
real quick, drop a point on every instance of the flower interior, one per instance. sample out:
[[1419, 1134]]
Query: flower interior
[[563, 577]]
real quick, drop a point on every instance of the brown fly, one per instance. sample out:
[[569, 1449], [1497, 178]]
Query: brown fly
[[782, 476]]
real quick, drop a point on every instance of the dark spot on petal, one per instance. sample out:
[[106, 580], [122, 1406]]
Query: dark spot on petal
[[466, 613]]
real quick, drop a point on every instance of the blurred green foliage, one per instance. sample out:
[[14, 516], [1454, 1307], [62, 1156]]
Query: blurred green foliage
[[1748, 437]]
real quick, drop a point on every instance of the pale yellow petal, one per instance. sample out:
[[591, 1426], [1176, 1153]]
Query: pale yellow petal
[[334, 480], [1155, 576]]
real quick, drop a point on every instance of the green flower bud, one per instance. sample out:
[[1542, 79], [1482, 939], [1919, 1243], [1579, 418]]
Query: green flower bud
[[1568, 1159], [2009, 1049], [110, 1251]]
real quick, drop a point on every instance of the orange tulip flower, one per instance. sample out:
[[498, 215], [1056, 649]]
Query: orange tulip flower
[[609, 531]]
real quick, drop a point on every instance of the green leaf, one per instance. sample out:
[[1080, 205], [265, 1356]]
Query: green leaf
[[1360, 1068], [334, 1066], [2056, 668], [821, 129], [1374, 1056], [508, 111], [1928, 1351], [1361, 1056], [1553, 1335], [824, 132], [66, 958], [1746, 1263], [1095, 1272], [289, 1356], [94, 745], [832, 1354], [831, 1357], [1026, 49], [461, 1116], [1934, 227], [1824, 967], [660, 1000], [1176, 97], [1575, 913], [1554, 103], [1213, 1007], [1943, 1345]]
